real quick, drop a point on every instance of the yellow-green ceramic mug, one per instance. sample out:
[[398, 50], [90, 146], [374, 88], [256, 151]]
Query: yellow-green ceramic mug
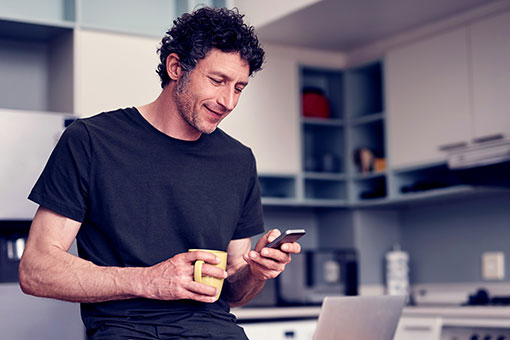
[[209, 280]]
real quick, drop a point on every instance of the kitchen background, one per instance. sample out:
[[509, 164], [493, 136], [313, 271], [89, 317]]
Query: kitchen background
[[404, 88]]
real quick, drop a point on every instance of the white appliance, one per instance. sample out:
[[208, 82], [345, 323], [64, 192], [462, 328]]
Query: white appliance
[[484, 162], [26, 141]]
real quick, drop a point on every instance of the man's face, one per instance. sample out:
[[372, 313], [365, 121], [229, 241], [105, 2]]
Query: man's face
[[211, 90]]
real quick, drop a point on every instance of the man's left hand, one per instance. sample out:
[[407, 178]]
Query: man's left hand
[[268, 263]]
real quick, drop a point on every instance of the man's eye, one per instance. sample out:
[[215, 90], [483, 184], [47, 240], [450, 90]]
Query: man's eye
[[216, 81], [239, 90]]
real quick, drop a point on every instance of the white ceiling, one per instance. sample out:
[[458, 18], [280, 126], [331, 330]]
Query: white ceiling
[[342, 25]]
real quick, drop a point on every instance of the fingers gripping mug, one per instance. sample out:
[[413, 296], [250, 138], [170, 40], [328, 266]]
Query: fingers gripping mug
[[209, 280]]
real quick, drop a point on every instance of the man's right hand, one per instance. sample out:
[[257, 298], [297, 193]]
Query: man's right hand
[[173, 279]]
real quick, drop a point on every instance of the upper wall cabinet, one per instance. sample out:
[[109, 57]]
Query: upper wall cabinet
[[448, 90], [490, 51], [265, 118], [427, 98], [114, 70]]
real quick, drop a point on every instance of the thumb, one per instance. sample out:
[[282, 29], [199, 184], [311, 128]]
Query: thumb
[[269, 237]]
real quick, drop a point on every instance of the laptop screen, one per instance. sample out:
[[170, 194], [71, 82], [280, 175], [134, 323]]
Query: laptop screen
[[359, 317]]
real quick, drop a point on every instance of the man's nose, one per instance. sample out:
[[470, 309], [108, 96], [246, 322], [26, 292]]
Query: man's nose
[[228, 99]]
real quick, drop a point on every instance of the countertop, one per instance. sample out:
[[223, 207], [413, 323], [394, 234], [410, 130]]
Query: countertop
[[464, 316], [491, 316], [267, 313]]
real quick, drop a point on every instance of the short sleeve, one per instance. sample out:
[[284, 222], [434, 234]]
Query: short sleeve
[[63, 186], [251, 222]]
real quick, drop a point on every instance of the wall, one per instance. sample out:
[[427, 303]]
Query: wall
[[446, 240], [293, 218], [371, 231], [376, 232]]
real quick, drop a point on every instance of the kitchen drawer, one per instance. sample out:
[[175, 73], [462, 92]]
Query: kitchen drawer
[[419, 328], [285, 330]]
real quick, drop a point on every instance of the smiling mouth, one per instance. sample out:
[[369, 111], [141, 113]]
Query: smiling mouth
[[215, 112]]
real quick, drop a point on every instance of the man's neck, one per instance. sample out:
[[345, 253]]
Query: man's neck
[[163, 115]]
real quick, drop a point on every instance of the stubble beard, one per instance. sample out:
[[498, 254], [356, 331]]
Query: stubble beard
[[184, 104]]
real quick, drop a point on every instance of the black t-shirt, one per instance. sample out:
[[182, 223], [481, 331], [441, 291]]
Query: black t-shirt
[[143, 197]]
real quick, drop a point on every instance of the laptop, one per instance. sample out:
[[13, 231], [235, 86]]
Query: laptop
[[359, 317]]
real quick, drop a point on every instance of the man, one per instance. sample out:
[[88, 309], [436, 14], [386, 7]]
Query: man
[[138, 187]]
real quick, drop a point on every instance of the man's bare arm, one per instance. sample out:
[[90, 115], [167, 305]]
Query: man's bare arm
[[239, 288], [249, 270], [48, 270]]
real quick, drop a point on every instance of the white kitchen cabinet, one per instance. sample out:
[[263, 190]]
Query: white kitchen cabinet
[[287, 330], [113, 71], [27, 317], [490, 53], [418, 328], [427, 87], [447, 89], [27, 139], [266, 118]]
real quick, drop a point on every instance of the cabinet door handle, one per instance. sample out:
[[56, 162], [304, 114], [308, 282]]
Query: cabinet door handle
[[289, 334], [448, 147], [416, 328], [488, 138]]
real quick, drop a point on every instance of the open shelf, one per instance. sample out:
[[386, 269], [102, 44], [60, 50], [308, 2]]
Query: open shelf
[[355, 121], [364, 90], [277, 187], [329, 83], [369, 175], [325, 189], [370, 188], [36, 64], [325, 176], [421, 181], [323, 148], [13, 236], [323, 122], [370, 118], [370, 138]]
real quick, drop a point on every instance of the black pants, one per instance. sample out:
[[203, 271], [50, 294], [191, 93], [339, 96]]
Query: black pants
[[196, 327]]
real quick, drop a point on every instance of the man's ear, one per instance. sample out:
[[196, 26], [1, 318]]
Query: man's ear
[[173, 66]]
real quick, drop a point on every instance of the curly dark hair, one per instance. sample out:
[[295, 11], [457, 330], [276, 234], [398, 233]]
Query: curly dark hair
[[194, 35]]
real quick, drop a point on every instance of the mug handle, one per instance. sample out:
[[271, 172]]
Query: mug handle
[[198, 270]]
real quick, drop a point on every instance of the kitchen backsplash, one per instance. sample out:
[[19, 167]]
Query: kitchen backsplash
[[446, 241]]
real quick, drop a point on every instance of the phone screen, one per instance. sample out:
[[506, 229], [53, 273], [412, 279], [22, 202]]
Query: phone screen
[[288, 236]]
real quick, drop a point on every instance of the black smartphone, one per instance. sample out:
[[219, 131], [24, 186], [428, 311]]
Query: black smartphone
[[289, 236]]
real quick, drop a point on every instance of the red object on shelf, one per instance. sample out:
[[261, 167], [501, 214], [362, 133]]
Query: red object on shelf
[[315, 105]]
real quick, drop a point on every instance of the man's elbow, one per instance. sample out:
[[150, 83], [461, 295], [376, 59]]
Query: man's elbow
[[26, 277]]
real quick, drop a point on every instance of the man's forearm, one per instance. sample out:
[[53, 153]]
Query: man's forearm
[[63, 276], [48, 270], [241, 287]]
